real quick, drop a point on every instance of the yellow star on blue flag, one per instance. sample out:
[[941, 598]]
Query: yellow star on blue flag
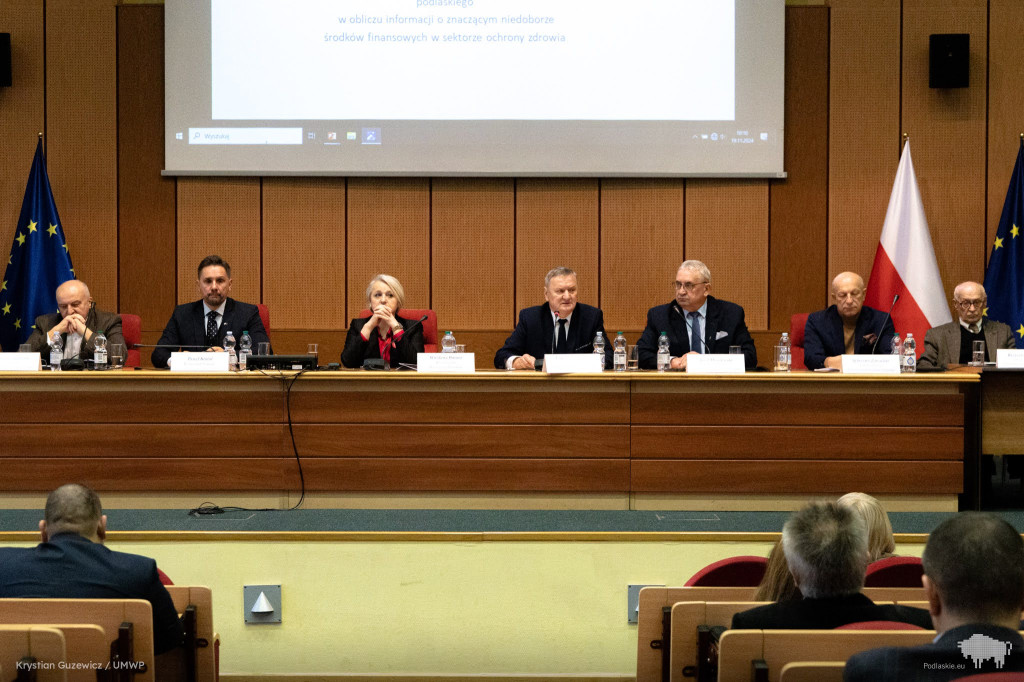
[[36, 267]]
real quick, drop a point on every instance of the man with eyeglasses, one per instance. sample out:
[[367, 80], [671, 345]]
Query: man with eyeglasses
[[695, 321], [952, 343], [848, 327]]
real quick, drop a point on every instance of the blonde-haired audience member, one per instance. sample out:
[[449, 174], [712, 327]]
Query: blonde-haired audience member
[[777, 584], [881, 543]]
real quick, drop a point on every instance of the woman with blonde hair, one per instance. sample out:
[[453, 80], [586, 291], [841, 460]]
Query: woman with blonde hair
[[881, 543], [383, 335]]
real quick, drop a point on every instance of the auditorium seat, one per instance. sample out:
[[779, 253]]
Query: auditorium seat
[[796, 339], [264, 316], [812, 671], [895, 571], [880, 625], [429, 324], [131, 329], [736, 571], [164, 578]]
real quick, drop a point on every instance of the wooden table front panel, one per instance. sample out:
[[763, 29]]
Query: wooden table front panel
[[490, 432]]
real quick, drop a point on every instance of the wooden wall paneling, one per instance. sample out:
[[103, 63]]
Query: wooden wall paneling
[[947, 134], [780, 477], [556, 224], [389, 232], [1005, 108], [727, 229], [472, 247], [81, 128], [864, 129], [304, 253], [146, 221], [641, 248], [21, 109], [798, 222], [220, 216]]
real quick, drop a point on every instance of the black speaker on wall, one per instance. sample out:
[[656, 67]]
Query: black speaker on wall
[[949, 60], [5, 60]]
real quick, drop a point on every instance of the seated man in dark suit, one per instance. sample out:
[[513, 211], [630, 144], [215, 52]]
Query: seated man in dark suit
[[848, 327], [72, 563], [826, 547], [952, 343], [76, 321], [202, 324], [562, 325], [696, 322], [974, 582]]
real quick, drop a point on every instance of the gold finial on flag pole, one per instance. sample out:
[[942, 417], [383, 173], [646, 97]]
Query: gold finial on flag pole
[[40, 135]]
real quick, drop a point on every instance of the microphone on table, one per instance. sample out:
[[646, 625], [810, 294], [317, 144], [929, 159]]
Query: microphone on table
[[887, 316]]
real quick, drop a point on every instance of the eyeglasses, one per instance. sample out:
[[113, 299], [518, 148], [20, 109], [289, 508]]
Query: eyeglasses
[[967, 305], [689, 286]]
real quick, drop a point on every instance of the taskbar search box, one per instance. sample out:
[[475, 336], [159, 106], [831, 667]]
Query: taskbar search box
[[245, 135]]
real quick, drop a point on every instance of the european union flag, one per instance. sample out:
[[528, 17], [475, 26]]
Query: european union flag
[[39, 260]]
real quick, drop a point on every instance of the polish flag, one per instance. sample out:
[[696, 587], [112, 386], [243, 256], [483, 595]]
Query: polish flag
[[905, 262]]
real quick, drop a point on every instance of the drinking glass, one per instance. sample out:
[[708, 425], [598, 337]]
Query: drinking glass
[[25, 348], [115, 355], [632, 358], [263, 348], [460, 348], [735, 350], [314, 350], [978, 354]]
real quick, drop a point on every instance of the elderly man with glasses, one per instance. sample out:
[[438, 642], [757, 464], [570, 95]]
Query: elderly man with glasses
[[695, 322], [952, 343]]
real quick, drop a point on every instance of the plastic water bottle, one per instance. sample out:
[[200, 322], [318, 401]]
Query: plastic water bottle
[[897, 345], [599, 347], [244, 351], [99, 353], [619, 353], [664, 358], [56, 351], [785, 359], [229, 346], [908, 361], [448, 343]]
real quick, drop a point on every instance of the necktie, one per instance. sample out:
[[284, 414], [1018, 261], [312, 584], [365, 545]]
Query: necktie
[[560, 347], [211, 328], [975, 328], [695, 340]]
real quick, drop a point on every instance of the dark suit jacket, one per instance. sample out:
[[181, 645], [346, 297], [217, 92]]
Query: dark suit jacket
[[942, 343], [536, 329], [825, 614], [70, 566], [96, 320], [356, 350], [942, 660], [187, 327], [823, 335], [723, 318]]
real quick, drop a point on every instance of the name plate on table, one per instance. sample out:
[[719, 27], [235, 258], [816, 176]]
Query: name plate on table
[[451, 363], [568, 363], [1010, 358], [20, 362], [871, 364], [199, 362], [716, 363]]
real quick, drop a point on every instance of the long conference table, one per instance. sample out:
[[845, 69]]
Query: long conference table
[[635, 432]]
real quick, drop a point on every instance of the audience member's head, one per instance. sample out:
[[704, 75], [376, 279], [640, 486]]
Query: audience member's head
[[974, 572], [826, 547], [73, 508], [777, 584], [881, 543]]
